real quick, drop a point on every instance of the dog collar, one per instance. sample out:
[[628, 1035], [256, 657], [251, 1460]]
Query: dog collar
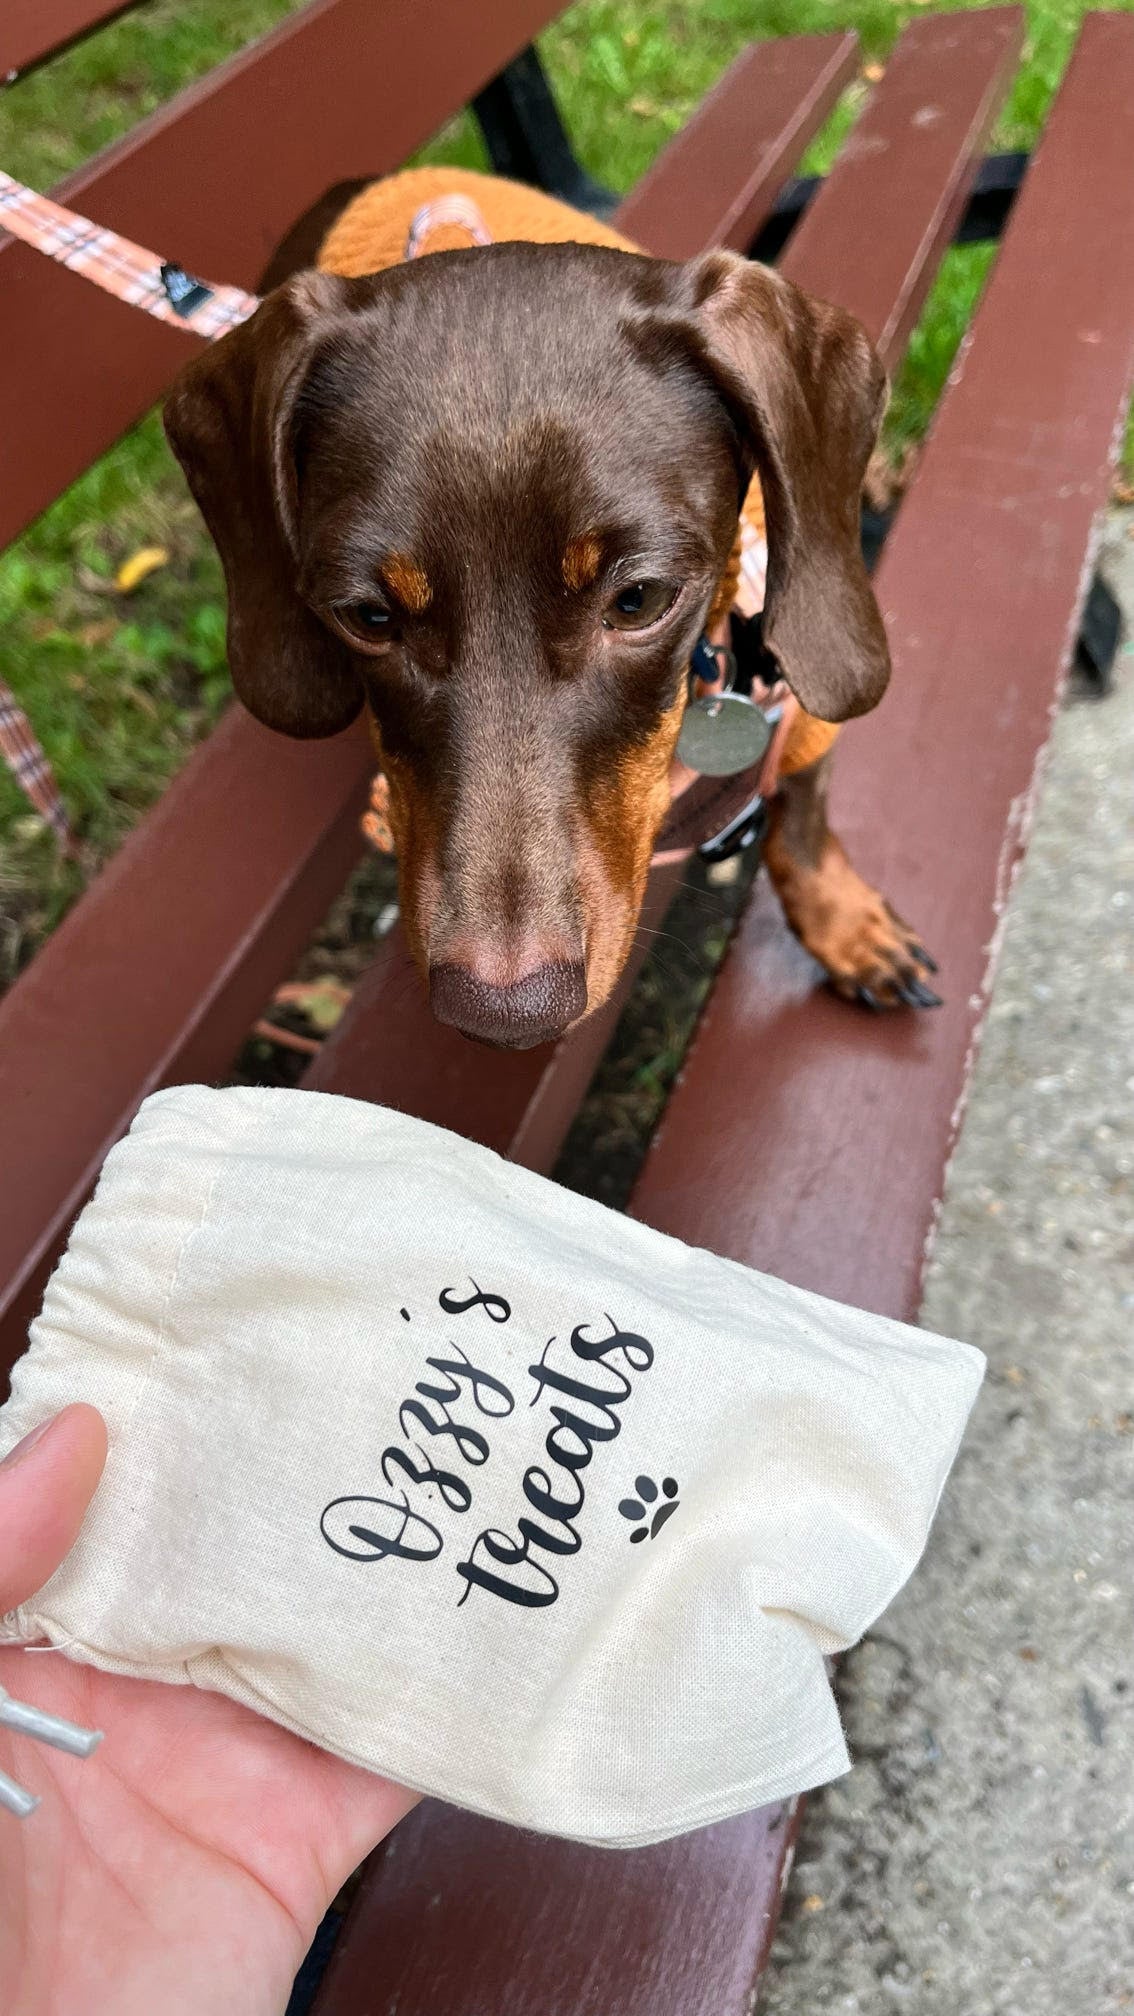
[[733, 735]]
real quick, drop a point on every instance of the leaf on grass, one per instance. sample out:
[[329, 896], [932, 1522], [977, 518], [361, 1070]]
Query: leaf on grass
[[133, 571]]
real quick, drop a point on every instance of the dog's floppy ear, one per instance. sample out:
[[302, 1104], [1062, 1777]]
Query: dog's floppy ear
[[807, 391], [229, 422]]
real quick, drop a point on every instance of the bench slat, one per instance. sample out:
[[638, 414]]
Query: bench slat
[[546, 1928], [764, 110], [215, 179], [904, 174], [34, 29], [538, 1927], [228, 876], [981, 585], [159, 972]]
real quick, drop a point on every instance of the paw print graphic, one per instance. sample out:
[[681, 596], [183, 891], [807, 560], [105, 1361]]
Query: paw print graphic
[[638, 1508]]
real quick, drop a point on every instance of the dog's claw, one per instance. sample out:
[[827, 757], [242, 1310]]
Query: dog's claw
[[916, 994], [871, 955], [925, 996]]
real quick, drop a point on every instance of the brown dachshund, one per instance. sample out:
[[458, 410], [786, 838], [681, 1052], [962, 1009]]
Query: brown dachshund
[[492, 495]]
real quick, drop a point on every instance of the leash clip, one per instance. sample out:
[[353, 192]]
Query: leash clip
[[713, 665], [749, 826], [183, 291]]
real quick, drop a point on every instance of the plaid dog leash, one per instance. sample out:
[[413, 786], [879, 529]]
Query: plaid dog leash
[[24, 755], [143, 281], [120, 267], [165, 290]]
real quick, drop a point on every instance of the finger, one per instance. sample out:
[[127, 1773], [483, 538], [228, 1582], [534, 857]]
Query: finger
[[46, 1483]]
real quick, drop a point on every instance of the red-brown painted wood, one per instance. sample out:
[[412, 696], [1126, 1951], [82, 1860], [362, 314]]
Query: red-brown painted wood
[[161, 969], [540, 1928], [345, 88], [31, 30], [507, 1924], [835, 1182], [905, 171], [764, 110]]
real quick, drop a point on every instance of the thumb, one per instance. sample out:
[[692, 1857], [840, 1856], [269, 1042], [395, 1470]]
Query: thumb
[[46, 1483]]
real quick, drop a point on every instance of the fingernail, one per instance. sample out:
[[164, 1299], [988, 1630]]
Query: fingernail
[[21, 1448]]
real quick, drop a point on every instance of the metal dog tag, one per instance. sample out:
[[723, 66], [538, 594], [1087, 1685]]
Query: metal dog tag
[[723, 733]]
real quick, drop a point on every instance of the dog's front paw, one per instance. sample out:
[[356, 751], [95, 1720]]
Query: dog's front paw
[[869, 953], [877, 959]]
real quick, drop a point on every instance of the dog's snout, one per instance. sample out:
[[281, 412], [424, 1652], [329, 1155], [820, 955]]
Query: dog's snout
[[535, 1008]]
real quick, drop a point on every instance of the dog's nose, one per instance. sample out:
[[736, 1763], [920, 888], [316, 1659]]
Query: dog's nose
[[535, 1008]]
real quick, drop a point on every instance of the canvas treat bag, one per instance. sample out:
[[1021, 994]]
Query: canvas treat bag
[[468, 1479]]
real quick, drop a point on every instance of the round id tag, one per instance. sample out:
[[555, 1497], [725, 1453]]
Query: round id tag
[[723, 733]]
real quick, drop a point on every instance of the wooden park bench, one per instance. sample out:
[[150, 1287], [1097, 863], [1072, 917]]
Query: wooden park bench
[[803, 1137]]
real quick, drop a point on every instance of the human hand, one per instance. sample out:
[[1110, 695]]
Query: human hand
[[185, 1866]]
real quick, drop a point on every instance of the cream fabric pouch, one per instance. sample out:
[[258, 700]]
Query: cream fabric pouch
[[468, 1479]]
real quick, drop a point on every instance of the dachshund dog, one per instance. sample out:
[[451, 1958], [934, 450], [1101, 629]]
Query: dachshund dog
[[492, 495]]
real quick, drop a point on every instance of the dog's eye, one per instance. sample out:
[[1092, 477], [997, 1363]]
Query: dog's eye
[[365, 622], [640, 604], [370, 619]]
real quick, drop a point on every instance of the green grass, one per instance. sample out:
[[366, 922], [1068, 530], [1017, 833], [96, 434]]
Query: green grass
[[119, 689]]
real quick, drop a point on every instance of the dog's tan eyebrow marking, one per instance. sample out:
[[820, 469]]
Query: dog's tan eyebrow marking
[[581, 561], [405, 579]]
